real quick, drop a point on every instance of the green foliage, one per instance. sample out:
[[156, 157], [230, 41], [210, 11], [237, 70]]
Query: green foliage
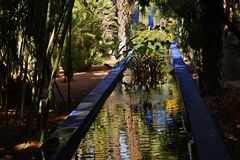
[[148, 60], [189, 12], [31, 38], [154, 40], [93, 34]]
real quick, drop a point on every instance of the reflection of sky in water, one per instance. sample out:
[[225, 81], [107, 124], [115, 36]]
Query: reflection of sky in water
[[123, 145], [160, 123], [136, 126]]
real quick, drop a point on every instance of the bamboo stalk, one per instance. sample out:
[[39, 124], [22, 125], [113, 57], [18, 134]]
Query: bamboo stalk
[[69, 64], [45, 112]]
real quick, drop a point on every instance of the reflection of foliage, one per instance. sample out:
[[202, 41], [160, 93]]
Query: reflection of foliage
[[119, 119], [173, 103], [172, 106]]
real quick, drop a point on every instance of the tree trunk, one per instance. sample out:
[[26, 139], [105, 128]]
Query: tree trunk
[[124, 11], [212, 29]]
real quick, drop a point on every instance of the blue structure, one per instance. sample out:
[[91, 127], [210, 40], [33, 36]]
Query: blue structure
[[151, 13], [150, 21], [64, 141], [208, 143], [136, 14]]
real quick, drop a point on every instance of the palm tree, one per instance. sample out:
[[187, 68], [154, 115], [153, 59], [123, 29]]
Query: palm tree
[[124, 15]]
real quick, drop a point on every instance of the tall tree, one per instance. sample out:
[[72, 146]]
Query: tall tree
[[212, 29], [123, 13], [207, 31]]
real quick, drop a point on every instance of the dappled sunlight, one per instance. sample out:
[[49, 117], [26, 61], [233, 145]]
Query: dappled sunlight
[[100, 73], [232, 137], [29, 144], [79, 73]]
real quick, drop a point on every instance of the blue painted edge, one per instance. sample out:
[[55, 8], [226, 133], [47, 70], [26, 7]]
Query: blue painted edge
[[64, 141], [207, 141]]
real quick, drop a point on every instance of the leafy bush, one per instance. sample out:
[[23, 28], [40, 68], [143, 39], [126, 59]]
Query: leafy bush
[[148, 60], [93, 33]]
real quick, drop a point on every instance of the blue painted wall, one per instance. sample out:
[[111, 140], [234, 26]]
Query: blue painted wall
[[151, 13], [136, 14]]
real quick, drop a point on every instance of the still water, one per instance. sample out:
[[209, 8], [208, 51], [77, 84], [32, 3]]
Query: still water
[[138, 124]]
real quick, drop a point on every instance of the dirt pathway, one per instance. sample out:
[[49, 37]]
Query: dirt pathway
[[83, 82]]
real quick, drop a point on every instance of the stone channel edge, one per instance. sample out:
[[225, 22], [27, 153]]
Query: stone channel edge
[[208, 144], [64, 141]]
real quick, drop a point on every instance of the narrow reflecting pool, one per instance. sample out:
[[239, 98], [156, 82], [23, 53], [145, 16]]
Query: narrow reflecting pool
[[138, 124]]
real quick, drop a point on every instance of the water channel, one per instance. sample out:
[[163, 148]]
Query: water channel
[[138, 124]]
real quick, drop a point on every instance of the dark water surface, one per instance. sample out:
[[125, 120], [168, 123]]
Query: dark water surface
[[138, 124]]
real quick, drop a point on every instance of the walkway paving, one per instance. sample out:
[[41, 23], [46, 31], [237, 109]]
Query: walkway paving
[[83, 82]]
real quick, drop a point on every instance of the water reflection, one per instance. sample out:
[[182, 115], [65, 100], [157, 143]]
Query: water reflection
[[138, 125]]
